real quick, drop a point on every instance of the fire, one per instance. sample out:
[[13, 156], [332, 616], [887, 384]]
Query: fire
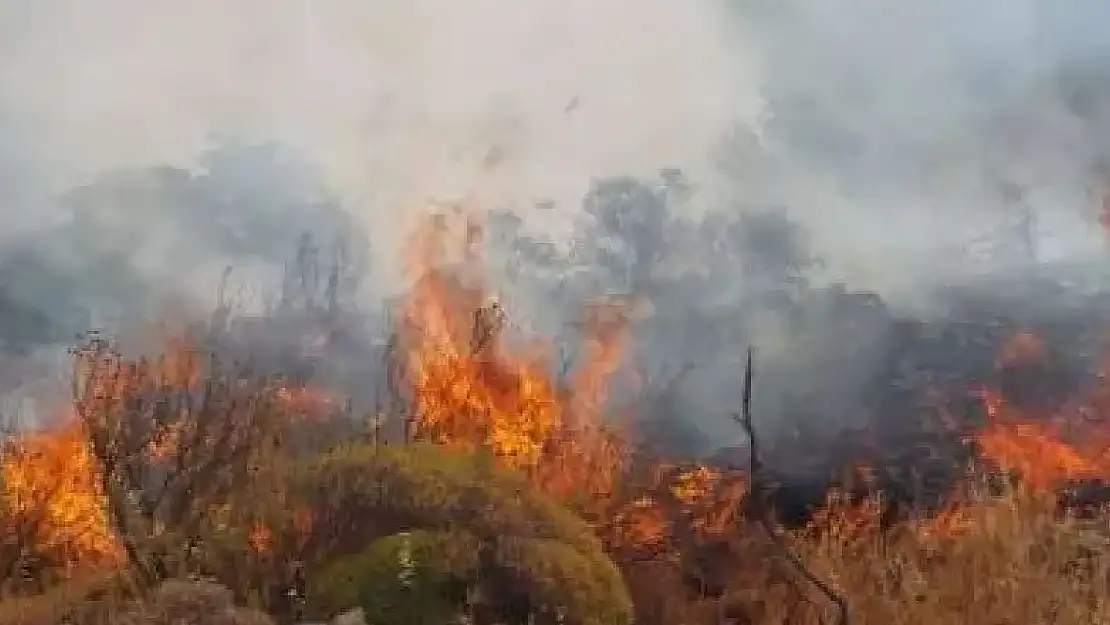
[[695, 484], [466, 388], [260, 538], [1045, 451], [50, 479], [307, 401], [952, 521], [1031, 448], [692, 501], [846, 521], [180, 363], [469, 387], [605, 329], [642, 524]]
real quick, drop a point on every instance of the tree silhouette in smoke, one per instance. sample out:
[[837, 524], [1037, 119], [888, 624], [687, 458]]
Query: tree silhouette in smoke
[[629, 226], [773, 250], [131, 237]]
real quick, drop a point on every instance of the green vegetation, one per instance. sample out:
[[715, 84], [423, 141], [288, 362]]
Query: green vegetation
[[470, 531]]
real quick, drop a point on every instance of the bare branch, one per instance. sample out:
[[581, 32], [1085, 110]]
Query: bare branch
[[757, 501], [171, 444]]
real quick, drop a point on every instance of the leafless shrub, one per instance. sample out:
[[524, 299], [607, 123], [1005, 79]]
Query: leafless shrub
[[175, 439]]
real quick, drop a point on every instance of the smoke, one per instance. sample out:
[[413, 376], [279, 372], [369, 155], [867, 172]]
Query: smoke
[[887, 130], [125, 132], [504, 103], [892, 126], [897, 134]]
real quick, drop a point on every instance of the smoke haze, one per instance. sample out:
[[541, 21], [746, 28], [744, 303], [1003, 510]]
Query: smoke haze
[[891, 125], [879, 127], [507, 102], [131, 168]]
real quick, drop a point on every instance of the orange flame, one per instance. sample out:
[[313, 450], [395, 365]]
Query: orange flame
[[1032, 450], [950, 522], [307, 402], [51, 479], [470, 388], [1045, 452], [260, 538], [466, 391]]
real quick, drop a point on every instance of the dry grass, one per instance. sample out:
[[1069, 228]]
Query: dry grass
[[98, 602], [62, 601], [1012, 559], [192, 603]]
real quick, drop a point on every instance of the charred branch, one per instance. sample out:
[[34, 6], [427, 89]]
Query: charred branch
[[758, 510]]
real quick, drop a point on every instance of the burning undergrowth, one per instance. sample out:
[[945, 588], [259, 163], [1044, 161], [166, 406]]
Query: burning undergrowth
[[204, 460]]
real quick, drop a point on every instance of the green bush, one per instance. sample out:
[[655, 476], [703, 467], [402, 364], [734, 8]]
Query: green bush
[[389, 589], [470, 524]]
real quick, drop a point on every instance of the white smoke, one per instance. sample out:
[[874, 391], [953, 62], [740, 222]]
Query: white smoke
[[892, 126], [508, 102]]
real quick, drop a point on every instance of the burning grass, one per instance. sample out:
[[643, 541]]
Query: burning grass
[[514, 494], [1013, 559]]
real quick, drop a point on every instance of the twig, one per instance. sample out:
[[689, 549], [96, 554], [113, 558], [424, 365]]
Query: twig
[[756, 501]]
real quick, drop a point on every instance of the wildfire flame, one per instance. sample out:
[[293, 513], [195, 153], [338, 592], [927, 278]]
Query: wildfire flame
[[50, 481], [465, 391], [1031, 448], [469, 387], [1046, 451]]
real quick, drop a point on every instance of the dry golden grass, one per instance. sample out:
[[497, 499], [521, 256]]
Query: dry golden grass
[[98, 601], [1007, 560]]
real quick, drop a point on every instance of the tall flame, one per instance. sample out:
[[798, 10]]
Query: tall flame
[[466, 388], [49, 480], [469, 387]]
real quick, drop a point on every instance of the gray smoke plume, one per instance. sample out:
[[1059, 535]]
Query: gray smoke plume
[[898, 133], [130, 183], [731, 162]]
